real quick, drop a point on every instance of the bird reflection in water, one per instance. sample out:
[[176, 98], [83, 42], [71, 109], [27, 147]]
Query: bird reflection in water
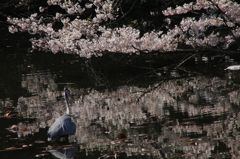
[[63, 125], [64, 152]]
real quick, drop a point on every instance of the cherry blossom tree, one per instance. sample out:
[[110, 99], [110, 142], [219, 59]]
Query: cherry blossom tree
[[85, 27]]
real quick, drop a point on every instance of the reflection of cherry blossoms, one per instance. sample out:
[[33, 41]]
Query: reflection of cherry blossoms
[[150, 124]]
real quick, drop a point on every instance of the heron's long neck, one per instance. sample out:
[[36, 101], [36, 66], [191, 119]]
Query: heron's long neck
[[67, 106]]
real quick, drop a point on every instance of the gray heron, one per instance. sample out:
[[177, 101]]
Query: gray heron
[[63, 125]]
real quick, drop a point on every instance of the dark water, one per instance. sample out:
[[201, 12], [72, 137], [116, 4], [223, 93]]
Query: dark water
[[123, 106]]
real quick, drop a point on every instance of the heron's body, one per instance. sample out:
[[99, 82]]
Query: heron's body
[[63, 125]]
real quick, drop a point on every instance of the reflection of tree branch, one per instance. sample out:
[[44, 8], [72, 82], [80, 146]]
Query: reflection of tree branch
[[148, 91], [186, 59], [99, 79], [156, 86], [159, 84]]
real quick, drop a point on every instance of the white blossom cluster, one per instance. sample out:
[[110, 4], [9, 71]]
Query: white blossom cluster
[[194, 31], [69, 6], [228, 7], [88, 37]]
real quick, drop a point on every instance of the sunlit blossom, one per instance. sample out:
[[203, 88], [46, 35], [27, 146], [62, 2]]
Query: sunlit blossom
[[88, 37]]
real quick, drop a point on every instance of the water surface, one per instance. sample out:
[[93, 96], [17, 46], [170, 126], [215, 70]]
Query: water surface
[[123, 106]]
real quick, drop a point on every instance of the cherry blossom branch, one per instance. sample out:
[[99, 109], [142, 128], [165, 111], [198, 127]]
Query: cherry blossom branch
[[225, 21], [93, 36]]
